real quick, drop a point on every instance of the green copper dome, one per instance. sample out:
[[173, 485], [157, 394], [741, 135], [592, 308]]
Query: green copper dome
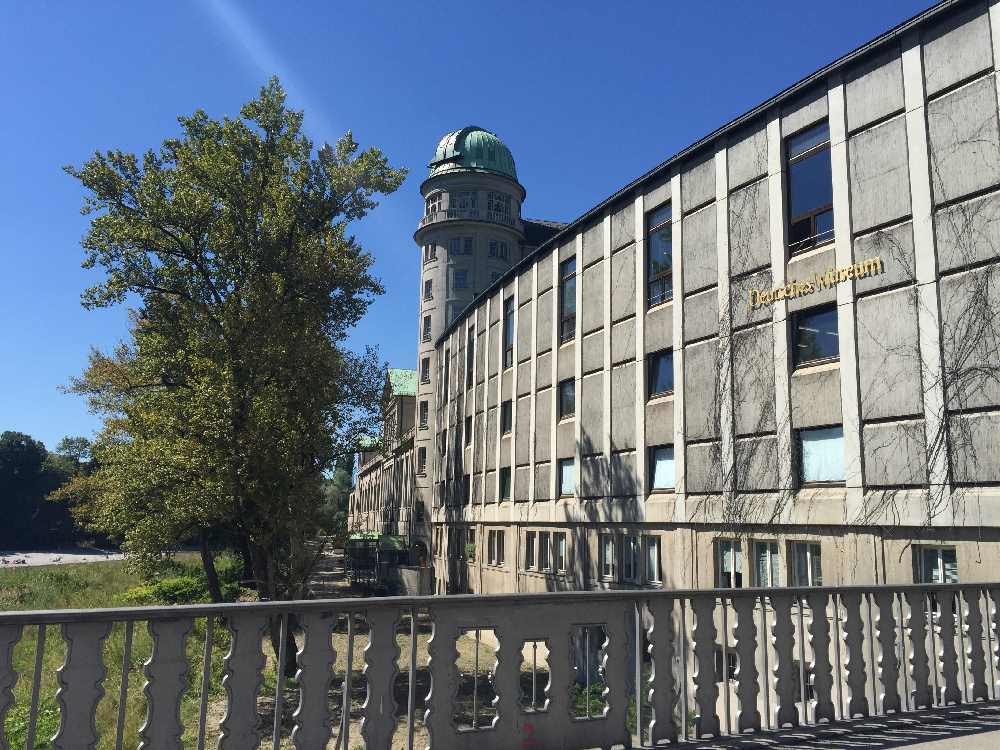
[[475, 149]]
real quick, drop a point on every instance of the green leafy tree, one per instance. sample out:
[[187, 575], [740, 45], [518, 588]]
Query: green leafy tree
[[336, 494], [235, 388]]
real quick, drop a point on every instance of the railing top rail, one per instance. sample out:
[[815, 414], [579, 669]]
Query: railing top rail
[[170, 612]]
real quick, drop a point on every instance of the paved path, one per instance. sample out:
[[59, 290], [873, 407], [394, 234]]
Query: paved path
[[967, 727]]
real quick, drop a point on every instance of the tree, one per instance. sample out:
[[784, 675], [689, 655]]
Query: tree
[[235, 391], [336, 493]]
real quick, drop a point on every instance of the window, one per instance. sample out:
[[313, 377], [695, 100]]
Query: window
[[428, 288], [731, 665], [470, 544], [661, 467], [424, 415], [765, 555], [468, 430], [425, 370], [506, 417], [508, 332], [505, 483], [529, 550], [454, 246], [504, 254], [608, 561], [498, 206], [421, 460], [470, 357], [467, 245], [433, 202], [460, 279], [494, 248], [466, 489], [661, 373], [464, 200], [446, 381], [630, 558], [567, 299], [810, 188], [544, 555], [814, 335], [567, 398], [430, 253], [728, 564], [567, 476], [426, 332], [654, 573], [821, 455], [495, 547], [559, 552], [806, 567], [935, 564], [659, 256]]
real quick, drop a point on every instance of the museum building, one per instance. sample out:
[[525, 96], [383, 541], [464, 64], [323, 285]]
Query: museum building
[[772, 360]]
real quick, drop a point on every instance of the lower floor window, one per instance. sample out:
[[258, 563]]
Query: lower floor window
[[653, 571], [821, 455], [935, 564], [608, 562], [495, 547], [728, 564], [806, 564], [559, 552], [630, 558], [766, 564]]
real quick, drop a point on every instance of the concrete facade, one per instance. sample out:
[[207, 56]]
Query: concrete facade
[[914, 164]]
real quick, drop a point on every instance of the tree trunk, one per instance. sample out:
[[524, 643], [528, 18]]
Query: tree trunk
[[208, 563]]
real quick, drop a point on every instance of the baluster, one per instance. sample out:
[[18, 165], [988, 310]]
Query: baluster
[[920, 668], [974, 650], [706, 692], [441, 656], [947, 653], [663, 691], [381, 655], [888, 662], [747, 676], [80, 685], [313, 722], [36, 685], [783, 639], [615, 664], [242, 677], [854, 659], [9, 636], [992, 633], [506, 681], [822, 669], [166, 678]]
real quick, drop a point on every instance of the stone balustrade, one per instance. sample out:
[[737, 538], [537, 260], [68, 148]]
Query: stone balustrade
[[554, 670]]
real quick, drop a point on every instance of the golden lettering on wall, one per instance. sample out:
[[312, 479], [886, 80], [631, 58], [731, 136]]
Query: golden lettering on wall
[[818, 282]]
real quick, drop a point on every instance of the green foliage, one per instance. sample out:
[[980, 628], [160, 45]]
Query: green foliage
[[336, 494], [235, 393], [183, 582], [46, 726]]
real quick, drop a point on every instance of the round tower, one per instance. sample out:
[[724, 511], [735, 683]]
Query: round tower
[[469, 235]]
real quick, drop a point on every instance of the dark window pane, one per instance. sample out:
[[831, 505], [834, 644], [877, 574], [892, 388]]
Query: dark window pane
[[659, 216], [824, 226], [569, 297], [815, 335], [567, 268], [567, 398], [810, 184], [661, 373], [807, 139]]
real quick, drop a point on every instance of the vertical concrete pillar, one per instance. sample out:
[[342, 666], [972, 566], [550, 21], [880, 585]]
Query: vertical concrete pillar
[[641, 464], [473, 325], [779, 330], [513, 389], [928, 313], [725, 385], [606, 383], [532, 419], [676, 241], [578, 363], [554, 380], [843, 241]]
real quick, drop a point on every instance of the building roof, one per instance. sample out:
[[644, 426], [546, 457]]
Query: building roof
[[402, 382], [474, 149], [539, 231], [699, 148]]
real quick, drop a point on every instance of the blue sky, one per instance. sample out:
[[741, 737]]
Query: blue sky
[[587, 96]]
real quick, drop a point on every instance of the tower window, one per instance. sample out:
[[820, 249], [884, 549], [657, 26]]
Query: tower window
[[426, 332], [428, 288], [430, 253], [424, 415], [498, 207], [465, 200], [434, 202], [460, 279], [468, 243], [425, 370], [421, 460]]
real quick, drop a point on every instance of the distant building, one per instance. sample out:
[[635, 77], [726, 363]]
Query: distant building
[[774, 359]]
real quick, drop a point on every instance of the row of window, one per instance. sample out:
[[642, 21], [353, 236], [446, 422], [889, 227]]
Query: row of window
[[498, 205], [548, 554], [629, 558]]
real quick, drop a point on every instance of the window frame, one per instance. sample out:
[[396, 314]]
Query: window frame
[[425, 332], [467, 427], [631, 558], [421, 460], [460, 273], [428, 289], [608, 566], [652, 467], [797, 318], [530, 560], [560, 463], [663, 278], [920, 574], [430, 253], [504, 490], [567, 323], [509, 333], [561, 413], [813, 241], [559, 552], [651, 359], [506, 417], [423, 414], [425, 370], [649, 543], [812, 551], [736, 547], [773, 554], [799, 448], [434, 202], [544, 552], [470, 357]]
